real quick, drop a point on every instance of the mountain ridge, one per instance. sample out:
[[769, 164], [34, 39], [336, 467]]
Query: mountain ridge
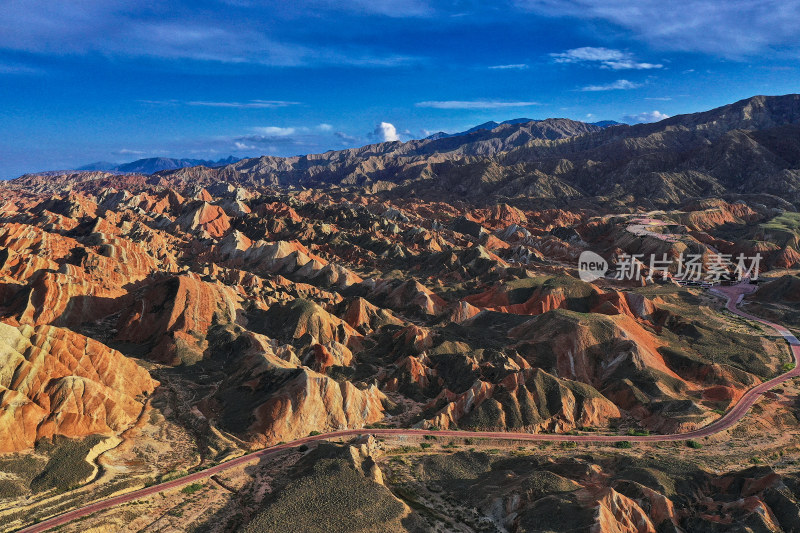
[[490, 125], [692, 155], [741, 148]]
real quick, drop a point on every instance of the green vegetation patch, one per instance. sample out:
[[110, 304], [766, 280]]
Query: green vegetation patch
[[331, 498], [67, 466], [782, 230], [688, 336], [786, 221], [577, 292], [23, 466], [11, 488], [561, 512], [192, 488]]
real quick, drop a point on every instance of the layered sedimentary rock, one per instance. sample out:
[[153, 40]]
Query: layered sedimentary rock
[[308, 305], [313, 402], [56, 382], [172, 317], [532, 400], [208, 219]]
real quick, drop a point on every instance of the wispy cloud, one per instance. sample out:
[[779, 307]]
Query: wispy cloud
[[16, 68], [177, 31], [346, 138], [660, 98], [387, 8], [648, 116], [252, 104], [604, 57], [733, 28], [614, 86], [284, 131], [160, 102], [275, 131], [514, 66], [280, 140], [474, 104]]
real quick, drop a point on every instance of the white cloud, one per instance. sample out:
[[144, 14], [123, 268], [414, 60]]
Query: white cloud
[[605, 57], [473, 104], [660, 98], [649, 116], [733, 28], [324, 127], [127, 151], [275, 131], [617, 85], [385, 132], [242, 146], [515, 66]]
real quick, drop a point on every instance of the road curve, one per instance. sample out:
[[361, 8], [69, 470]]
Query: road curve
[[734, 294]]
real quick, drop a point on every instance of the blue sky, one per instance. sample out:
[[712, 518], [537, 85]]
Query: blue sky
[[118, 80]]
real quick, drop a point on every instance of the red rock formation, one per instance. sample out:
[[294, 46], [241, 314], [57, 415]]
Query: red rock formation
[[278, 210], [410, 294], [173, 316], [209, 219], [365, 317], [56, 382], [167, 201], [540, 301], [615, 513], [625, 303], [499, 216], [463, 311], [66, 299], [314, 402], [204, 196], [502, 405], [23, 238], [708, 214]]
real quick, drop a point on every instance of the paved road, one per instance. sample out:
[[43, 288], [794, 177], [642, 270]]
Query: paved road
[[733, 294]]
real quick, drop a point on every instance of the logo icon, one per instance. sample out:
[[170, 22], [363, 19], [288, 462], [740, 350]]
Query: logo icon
[[591, 266]]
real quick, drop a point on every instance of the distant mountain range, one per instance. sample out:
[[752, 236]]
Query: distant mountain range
[[750, 147], [492, 125], [151, 165], [747, 147]]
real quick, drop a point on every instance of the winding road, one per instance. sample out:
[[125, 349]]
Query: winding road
[[734, 295]]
